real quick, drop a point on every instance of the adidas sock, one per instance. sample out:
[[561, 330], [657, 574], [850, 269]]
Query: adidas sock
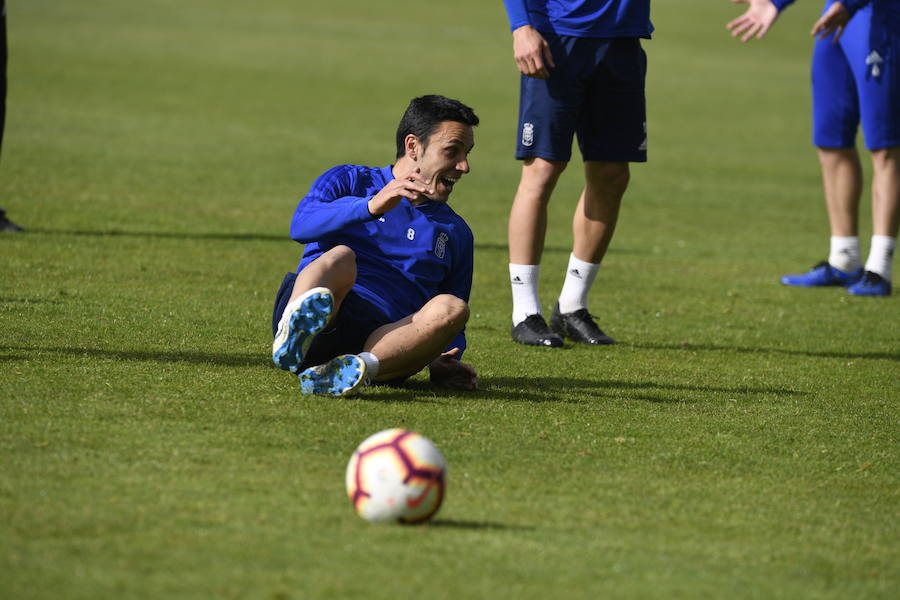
[[372, 364], [524, 282], [844, 253], [579, 278], [881, 254]]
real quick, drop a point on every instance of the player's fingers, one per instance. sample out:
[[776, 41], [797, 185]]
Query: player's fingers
[[751, 31], [818, 26], [548, 56], [734, 23], [739, 27], [837, 34]]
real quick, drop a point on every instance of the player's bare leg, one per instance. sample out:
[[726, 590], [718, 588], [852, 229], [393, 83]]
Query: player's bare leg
[[409, 345], [335, 270], [527, 230], [592, 226], [528, 216], [842, 184], [842, 181], [598, 208], [876, 280], [886, 191], [317, 293]]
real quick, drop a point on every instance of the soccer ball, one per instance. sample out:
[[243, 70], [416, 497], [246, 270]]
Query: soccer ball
[[396, 476]]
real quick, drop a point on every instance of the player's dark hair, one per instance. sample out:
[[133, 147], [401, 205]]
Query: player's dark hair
[[425, 113]]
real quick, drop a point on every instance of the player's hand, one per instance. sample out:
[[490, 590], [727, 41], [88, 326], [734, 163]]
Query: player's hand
[[532, 52], [411, 186], [449, 372], [756, 20], [833, 21]]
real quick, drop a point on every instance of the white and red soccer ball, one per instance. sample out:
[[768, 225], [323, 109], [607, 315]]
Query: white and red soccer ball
[[396, 476]]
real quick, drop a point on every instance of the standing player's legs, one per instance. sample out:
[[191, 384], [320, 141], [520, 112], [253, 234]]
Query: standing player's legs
[[527, 232], [872, 47], [835, 122], [611, 133], [885, 224], [548, 116]]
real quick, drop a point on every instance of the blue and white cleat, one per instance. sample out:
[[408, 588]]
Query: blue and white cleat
[[823, 274], [872, 284], [303, 318], [340, 376]]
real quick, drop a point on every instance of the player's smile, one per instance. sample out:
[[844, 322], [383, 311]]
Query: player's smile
[[445, 159]]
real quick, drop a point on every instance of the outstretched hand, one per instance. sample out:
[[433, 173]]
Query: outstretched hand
[[756, 20], [834, 21], [448, 371], [411, 186], [532, 52]]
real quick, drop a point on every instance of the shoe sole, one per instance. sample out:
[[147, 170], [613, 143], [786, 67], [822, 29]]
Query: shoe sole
[[340, 376], [303, 319], [874, 294]]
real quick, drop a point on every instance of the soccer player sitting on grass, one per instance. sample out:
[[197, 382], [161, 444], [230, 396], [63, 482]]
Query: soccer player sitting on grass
[[382, 288]]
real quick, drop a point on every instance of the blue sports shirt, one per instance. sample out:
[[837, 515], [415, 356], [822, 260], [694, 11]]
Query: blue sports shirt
[[404, 258], [582, 18]]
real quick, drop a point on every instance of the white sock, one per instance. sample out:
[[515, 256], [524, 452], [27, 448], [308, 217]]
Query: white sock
[[845, 253], [579, 278], [524, 282], [372, 364], [881, 254]]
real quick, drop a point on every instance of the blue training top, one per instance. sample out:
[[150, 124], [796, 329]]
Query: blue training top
[[404, 258], [582, 18], [851, 5]]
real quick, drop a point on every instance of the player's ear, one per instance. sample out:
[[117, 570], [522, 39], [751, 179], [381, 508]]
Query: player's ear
[[413, 148]]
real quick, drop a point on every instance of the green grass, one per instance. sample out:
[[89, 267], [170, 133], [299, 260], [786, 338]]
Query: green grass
[[740, 442]]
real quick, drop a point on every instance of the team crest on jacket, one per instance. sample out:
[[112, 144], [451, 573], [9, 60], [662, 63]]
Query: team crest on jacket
[[440, 244]]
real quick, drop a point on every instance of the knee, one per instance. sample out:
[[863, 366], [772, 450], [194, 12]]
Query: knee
[[608, 175], [541, 174], [886, 160], [448, 312], [341, 257]]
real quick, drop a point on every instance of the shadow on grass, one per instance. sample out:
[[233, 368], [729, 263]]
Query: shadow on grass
[[455, 524], [568, 389], [166, 356], [232, 237], [187, 235], [894, 356]]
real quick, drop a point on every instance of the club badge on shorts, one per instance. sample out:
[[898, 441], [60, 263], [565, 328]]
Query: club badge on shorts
[[528, 134]]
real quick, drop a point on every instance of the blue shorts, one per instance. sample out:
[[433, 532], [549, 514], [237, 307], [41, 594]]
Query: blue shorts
[[595, 91], [858, 80], [345, 334]]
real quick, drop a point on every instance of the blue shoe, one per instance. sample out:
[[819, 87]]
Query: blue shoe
[[340, 376], [303, 318], [872, 284], [823, 274]]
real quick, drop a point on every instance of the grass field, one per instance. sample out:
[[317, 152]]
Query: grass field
[[740, 442]]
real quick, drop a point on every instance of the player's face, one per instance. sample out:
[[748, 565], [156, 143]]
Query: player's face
[[446, 157]]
